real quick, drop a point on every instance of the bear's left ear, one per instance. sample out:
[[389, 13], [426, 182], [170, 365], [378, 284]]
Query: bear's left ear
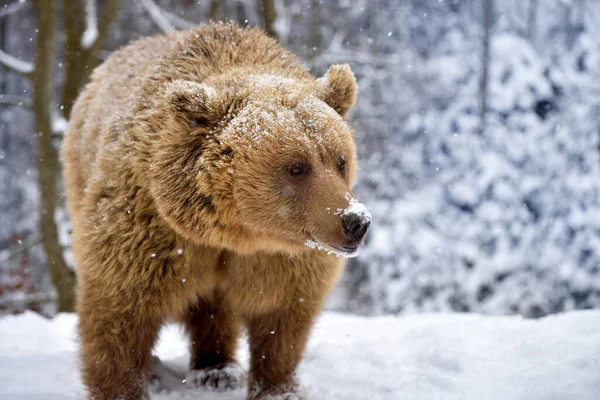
[[338, 88], [193, 102]]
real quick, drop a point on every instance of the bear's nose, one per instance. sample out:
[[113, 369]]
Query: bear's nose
[[355, 226]]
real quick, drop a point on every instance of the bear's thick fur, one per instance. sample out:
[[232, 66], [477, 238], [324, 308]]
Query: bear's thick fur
[[206, 172]]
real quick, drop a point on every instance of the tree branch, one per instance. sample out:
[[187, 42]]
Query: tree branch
[[63, 277], [328, 57], [90, 35], [11, 99], [21, 247], [27, 298], [13, 8], [268, 14], [112, 9], [213, 10], [79, 60], [14, 64], [157, 15], [488, 10], [177, 21]]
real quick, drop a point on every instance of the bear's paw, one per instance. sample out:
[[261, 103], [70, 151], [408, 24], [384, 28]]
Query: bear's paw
[[230, 376], [283, 392]]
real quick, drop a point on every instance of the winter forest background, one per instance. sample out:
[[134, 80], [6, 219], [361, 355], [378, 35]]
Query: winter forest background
[[478, 128]]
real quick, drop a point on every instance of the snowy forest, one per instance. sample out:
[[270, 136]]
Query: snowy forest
[[477, 125]]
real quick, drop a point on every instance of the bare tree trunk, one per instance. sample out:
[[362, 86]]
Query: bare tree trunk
[[268, 14], [213, 11], [488, 7], [239, 14], [569, 26], [47, 164], [81, 61], [532, 19], [74, 21], [314, 39]]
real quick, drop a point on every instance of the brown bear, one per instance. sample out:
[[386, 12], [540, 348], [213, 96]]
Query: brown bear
[[208, 179]]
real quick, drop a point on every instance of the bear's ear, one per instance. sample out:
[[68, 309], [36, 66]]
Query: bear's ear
[[338, 88], [192, 101]]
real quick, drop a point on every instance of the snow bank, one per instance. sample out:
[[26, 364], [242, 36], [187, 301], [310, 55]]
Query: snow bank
[[432, 356]]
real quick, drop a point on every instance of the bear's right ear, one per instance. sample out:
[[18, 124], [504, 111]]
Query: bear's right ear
[[193, 102], [338, 88]]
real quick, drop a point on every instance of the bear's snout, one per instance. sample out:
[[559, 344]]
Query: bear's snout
[[355, 226]]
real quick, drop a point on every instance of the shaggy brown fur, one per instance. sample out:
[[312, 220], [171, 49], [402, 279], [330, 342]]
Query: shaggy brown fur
[[197, 166]]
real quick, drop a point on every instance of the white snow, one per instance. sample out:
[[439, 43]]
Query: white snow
[[90, 35], [316, 245], [428, 356], [195, 89], [358, 208], [22, 67], [270, 80], [59, 123]]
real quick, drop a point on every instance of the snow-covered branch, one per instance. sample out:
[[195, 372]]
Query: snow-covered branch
[[168, 22], [90, 35], [178, 22], [359, 58], [15, 64], [11, 99], [23, 246], [10, 9], [26, 298], [157, 15], [58, 123]]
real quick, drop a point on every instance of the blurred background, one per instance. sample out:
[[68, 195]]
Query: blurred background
[[478, 128]]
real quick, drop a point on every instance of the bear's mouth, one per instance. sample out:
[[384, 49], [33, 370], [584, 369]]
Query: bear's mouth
[[337, 250], [347, 249]]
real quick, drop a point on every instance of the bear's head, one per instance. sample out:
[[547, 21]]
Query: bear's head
[[261, 162]]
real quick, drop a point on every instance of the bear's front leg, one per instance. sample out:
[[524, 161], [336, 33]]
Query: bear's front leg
[[214, 330], [277, 342], [116, 345]]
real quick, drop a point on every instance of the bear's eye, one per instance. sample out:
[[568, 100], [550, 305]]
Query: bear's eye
[[199, 121], [299, 169], [342, 164]]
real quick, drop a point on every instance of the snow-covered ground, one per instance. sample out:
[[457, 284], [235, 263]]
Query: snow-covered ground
[[430, 356]]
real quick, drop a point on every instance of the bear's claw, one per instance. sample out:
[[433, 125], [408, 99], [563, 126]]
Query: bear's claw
[[228, 377]]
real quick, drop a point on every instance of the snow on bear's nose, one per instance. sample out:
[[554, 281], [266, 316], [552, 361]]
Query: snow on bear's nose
[[356, 220]]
